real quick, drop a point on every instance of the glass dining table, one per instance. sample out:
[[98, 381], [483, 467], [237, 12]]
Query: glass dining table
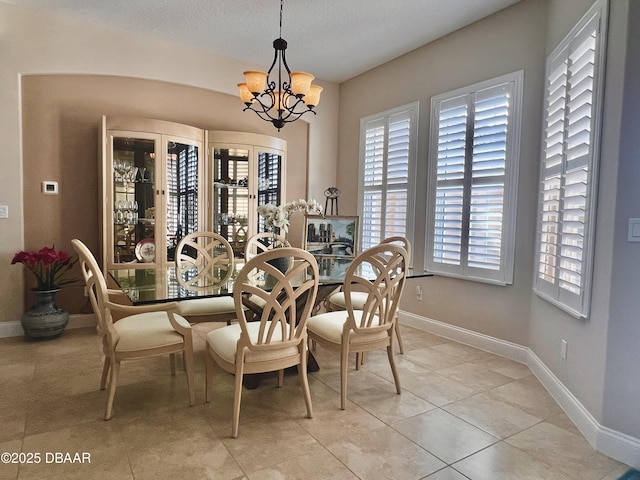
[[164, 284]]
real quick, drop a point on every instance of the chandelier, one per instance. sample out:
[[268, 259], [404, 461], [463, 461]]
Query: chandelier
[[281, 96]]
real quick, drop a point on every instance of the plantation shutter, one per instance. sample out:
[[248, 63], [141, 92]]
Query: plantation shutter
[[474, 137], [569, 165], [372, 227], [452, 132], [389, 150]]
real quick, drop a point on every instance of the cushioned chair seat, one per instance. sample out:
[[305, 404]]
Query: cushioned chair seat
[[329, 326], [147, 330], [357, 299], [207, 306], [224, 341]]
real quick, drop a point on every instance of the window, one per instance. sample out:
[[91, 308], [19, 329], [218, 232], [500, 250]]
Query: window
[[473, 161], [388, 151], [571, 138]]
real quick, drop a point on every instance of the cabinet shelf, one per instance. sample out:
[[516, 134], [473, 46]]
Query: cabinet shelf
[[230, 187]]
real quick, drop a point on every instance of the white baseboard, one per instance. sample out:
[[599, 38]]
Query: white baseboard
[[76, 320], [617, 445], [478, 340]]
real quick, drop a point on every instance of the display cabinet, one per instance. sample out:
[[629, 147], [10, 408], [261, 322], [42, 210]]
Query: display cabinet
[[247, 170], [153, 189]]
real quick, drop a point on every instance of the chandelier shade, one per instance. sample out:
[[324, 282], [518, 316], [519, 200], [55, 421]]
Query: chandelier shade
[[279, 95]]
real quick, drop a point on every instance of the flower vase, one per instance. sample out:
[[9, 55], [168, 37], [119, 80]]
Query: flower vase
[[45, 319], [281, 263]]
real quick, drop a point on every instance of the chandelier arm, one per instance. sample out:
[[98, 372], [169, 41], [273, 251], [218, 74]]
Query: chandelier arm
[[275, 59], [284, 61], [263, 108]]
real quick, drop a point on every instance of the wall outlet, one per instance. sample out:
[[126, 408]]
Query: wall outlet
[[419, 292], [563, 349]]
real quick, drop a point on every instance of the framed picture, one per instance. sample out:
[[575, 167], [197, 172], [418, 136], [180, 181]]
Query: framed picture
[[334, 236]]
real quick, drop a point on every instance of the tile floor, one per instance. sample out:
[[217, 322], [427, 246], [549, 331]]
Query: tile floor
[[463, 414]]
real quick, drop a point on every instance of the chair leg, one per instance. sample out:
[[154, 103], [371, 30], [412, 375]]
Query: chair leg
[[344, 360], [105, 373], [304, 381], [172, 361], [188, 365], [280, 378], [113, 382], [237, 397], [399, 337], [392, 362], [208, 375]]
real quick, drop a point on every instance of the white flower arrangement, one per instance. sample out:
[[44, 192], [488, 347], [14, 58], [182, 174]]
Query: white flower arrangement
[[277, 216]]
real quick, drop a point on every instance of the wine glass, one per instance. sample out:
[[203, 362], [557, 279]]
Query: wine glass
[[126, 166]]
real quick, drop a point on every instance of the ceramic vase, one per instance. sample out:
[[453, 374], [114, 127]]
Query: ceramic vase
[[45, 319]]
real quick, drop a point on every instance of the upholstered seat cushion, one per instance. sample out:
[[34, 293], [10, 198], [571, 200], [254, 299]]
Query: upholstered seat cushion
[[329, 326], [207, 306], [224, 342], [147, 330], [357, 300]]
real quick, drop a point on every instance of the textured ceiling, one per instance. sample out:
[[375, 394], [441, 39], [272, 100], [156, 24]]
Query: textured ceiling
[[333, 39]]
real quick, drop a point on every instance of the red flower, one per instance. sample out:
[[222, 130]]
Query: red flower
[[48, 265], [28, 258]]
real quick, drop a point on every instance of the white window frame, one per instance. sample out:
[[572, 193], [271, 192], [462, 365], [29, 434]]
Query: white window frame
[[384, 118], [503, 274], [576, 303]]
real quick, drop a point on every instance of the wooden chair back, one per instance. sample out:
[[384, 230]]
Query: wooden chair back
[[261, 242], [96, 290], [380, 272], [286, 298], [203, 259]]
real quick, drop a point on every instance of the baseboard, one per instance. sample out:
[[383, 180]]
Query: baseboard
[[617, 445], [478, 340], [76, 320]]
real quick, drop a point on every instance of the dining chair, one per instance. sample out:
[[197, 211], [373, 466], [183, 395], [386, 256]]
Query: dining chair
[[278, 338], [261, 242], [337, 301], [205, 260], [140, 332], [380, 272]]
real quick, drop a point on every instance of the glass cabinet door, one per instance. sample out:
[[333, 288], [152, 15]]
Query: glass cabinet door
[[134, 200], [269, 184], [182, 194], [231, 195]]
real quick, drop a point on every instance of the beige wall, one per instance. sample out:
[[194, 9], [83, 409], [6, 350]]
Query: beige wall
[[622, 388], [32, 43], [510, 40]]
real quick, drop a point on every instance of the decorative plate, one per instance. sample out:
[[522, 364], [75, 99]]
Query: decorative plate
[[146, 250]]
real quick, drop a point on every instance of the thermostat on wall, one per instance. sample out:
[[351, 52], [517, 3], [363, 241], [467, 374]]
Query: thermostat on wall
[[49, 187]]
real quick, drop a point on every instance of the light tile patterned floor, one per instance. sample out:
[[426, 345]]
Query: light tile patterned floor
[[463, 414]]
